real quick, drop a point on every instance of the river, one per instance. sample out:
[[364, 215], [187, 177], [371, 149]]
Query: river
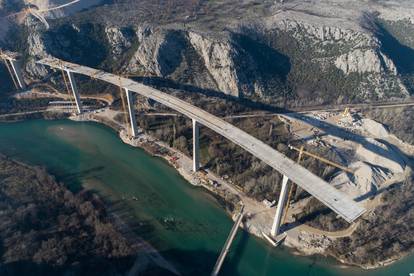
[[184, 223]]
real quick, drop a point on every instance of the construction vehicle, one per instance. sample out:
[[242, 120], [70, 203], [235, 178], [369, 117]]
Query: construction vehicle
[[346, 112]]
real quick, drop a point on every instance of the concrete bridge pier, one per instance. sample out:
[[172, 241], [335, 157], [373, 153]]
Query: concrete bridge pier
[[75, 91], [131, 111], [196, 145], [314, 185], [17, 73], [280, 207]]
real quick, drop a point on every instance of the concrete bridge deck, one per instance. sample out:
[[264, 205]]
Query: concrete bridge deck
[[328, 195]]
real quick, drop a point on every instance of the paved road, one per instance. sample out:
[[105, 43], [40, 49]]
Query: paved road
[[331, 197], [305, 110], [22, 113]]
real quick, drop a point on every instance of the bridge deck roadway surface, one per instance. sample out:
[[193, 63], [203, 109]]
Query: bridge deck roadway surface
[[330, 196]]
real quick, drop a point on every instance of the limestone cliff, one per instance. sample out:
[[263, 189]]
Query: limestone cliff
[[219, 58], [296, 53]]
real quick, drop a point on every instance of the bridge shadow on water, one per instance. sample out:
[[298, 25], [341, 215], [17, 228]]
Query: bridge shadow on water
[[186, 262], [195, 262], [201, 262], [73, 179]]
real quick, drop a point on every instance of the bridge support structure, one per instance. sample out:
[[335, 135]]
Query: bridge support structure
[[75, 91], [317, 187], [196, 145], [14, 69], [17, 73], [131, 111], [280, 207]]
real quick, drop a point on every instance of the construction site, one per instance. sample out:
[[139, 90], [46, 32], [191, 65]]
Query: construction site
[[368, 159]]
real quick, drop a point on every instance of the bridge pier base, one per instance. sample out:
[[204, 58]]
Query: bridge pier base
[[280, 207], [75, 92], [196, 146], [131, 111]]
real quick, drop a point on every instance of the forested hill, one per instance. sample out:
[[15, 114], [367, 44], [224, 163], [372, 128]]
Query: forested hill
[[46, 229]]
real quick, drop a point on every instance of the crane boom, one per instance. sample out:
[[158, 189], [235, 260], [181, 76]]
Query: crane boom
[[329, 162]]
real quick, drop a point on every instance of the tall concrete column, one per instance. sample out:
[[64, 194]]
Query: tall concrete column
[[17, 73], [196, 145], [280, 207], [131, 112], [10, 70], [75, 91]]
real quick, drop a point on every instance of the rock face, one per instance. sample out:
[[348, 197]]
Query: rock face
[[36, 50], [369, 61], [249, 62], [315, 54], [219, 58], [165, 52], [159, 51], [119, 40]]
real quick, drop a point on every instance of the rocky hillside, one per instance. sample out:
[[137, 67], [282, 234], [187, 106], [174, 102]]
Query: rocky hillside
[[294, 53]]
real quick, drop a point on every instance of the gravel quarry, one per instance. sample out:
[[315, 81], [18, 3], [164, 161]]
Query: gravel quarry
[[362, 145]]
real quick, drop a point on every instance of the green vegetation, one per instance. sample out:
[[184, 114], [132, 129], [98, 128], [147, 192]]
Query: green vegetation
[[44, 224], [385, 234], [398, 120], [397, 42], [312, 81], [85, 44]]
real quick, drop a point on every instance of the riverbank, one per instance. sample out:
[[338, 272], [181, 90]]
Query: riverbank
[[303, 239], [183, 222], [182, 164], [67, 232]]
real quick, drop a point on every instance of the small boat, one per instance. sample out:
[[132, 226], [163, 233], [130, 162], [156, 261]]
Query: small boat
[[275, 242]]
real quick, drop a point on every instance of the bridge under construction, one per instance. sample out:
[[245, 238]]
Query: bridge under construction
[[314, 185], [328, 195], [11, 61]]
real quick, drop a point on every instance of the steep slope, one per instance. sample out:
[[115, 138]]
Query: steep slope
[[295, 53]]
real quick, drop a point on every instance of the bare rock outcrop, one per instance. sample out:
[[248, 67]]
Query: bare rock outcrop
[[37, 50], [162, 52], [218, 57], [159, 51], [118, 39], [368, 61]]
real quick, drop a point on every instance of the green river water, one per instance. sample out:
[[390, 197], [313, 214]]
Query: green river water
[[185, 224]]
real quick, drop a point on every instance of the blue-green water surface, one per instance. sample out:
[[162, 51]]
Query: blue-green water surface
[[182, 222]]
